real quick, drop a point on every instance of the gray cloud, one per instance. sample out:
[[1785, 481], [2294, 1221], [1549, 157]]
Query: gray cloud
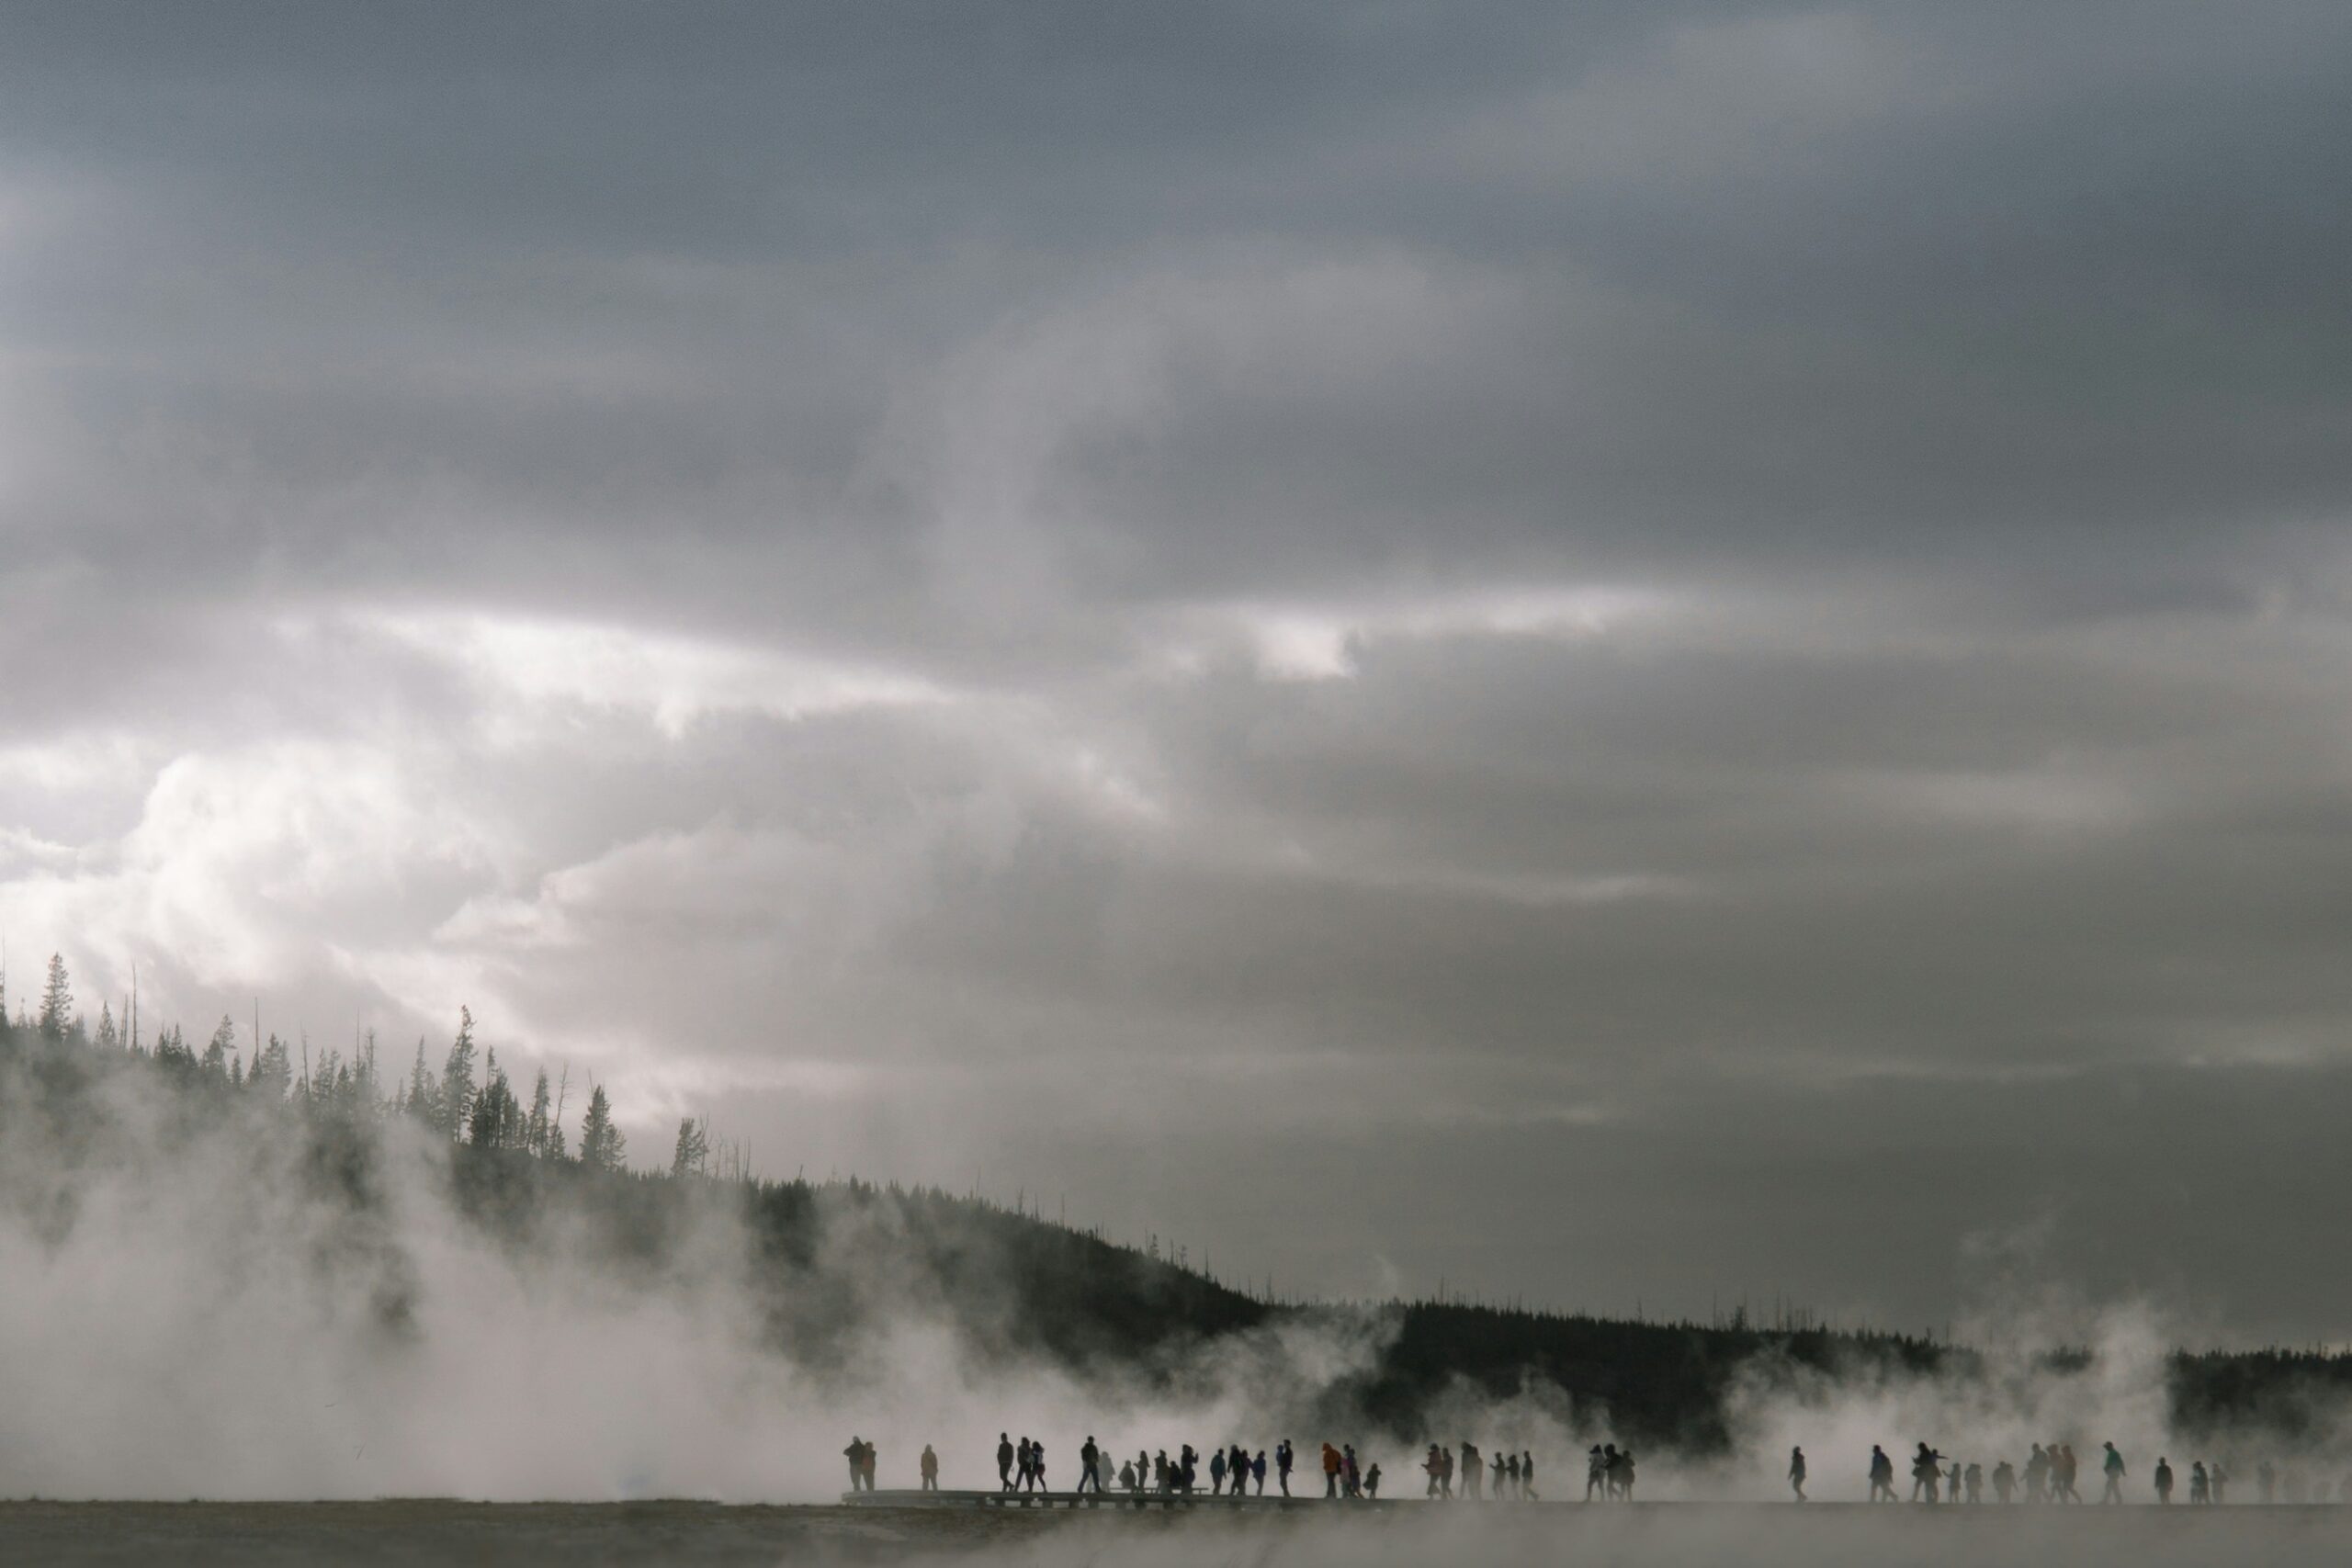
[[1244, 612]]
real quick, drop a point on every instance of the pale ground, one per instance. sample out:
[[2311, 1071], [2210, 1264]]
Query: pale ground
[[1684, 1535]]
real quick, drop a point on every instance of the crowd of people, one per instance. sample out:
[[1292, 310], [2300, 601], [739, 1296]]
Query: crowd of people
[[2048, 1476], [1234, 1472], [1513, 1474]]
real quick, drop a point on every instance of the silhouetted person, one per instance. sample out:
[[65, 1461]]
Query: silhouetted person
[[1926, 1471], [1952, 1481], [1160, 1481], [1089, 1456], [855, 1454], [1127, 1481], [1445, 1482], [1282, 1464], [1882, 1476], [930, 1467], [1257, 1472], [1004, 1457], [1474, 1477], [2221, 1483], [1349, 1471], [2066, 1469], [1435, 1466], [1596, 1473], [1330, 1470], [1626, 1474], [2200, 1490], [1372, 1483], [2037, 1474], [2114, 1468], [1216, 1473], [1796, 1473], [2164, 1481], [1502, 1478], [1527, 1476], [1975, 1476], [1038, 1465], [1188, 1469], [2004, 1480]]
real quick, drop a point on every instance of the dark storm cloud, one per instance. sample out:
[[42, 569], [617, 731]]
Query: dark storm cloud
[[1410, 579]]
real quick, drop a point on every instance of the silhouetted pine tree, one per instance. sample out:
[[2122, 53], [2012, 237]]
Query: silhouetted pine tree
[[457, 1103], [273, 1072], [602, 1147], [56, 1001], [496, 1119], [424, 1100], [109, 1038], [534, 1126], [219, 1048], [693, 1150]]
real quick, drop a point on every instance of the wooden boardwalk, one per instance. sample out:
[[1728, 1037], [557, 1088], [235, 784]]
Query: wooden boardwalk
[[1131, 1501]]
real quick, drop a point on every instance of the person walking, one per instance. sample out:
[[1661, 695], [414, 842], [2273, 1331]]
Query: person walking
[[1926, 1471], [1796, 1473], [1882, 1476], [2163, 1480], [1282, 1463], [1003, 1462], [2004, 1480], [2114, 1468], [1527, 1475]]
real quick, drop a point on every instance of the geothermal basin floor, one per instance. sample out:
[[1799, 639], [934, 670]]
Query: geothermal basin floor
[[1405, 1533]]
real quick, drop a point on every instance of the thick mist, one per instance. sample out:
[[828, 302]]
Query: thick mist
[[222, 1298]]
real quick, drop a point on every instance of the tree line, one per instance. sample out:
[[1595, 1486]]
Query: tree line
[[468, 1099]]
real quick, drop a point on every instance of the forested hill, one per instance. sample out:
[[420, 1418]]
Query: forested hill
[[826, 1261]]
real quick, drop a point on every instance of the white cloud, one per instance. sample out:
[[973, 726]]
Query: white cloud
[[541, 662]]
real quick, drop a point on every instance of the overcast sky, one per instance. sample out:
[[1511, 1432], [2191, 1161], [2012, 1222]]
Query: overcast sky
[[1616, 653]]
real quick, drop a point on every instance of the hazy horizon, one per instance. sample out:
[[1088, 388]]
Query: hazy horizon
[[1635, 654]]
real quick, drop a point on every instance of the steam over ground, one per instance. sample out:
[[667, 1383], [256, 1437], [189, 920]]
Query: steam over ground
[[211, 1295]]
